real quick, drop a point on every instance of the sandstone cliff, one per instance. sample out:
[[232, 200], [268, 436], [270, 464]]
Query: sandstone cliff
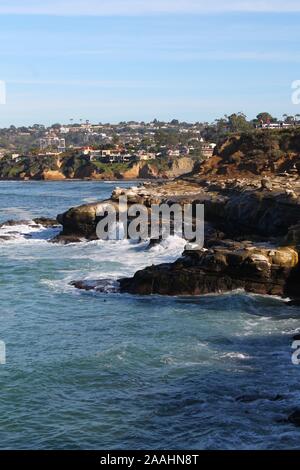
[[79, 167], [261, 152]]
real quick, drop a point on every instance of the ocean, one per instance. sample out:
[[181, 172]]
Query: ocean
[[88, 370]]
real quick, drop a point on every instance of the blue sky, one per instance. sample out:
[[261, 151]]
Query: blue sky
[[114, 60]]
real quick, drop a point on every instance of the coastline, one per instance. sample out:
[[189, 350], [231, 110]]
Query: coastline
[[111, 340]]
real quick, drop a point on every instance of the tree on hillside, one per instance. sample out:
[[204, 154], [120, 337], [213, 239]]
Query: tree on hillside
[[56, 126], [237, 122], [290, 119], [166, 138], [265, 118]]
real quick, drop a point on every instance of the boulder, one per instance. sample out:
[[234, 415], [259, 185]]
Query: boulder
[[80, 221]]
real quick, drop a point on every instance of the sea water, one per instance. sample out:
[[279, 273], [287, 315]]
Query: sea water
[[88, 370]]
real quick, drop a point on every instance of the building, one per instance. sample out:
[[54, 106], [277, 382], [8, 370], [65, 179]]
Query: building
[[173, 153], [145, 156], [91, 153], [207, 149], [54, 143], [64, 130], [16, 157], [118, 158]]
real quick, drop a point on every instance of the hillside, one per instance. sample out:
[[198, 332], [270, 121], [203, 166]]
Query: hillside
[[262, 152]]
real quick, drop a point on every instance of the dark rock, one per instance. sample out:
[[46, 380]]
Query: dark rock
[[80, 221], [154, 242], [223, 268], [46, 222], [5, 238], [101, 285], [254, 398], [12, 223], [66, 239], [294, 418]]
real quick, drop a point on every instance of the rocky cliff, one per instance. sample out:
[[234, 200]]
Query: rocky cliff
[[261, 152], [79, 167]]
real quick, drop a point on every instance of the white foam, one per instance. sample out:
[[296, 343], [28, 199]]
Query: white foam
[[235, 355], [28, 233], [111, 260]]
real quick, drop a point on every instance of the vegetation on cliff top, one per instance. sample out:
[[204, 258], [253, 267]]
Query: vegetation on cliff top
[[80, 167], [256, 152]]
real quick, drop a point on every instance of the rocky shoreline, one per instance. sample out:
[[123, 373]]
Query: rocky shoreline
[[252, 232], [250, 190], [252, 241], [251, 236]]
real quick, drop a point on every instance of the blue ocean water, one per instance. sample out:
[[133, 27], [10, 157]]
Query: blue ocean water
[[111, 371]]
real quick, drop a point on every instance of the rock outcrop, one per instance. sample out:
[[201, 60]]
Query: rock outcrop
[[52, 175], [79, 222], [260, 152], [252, 221], [225, 267]]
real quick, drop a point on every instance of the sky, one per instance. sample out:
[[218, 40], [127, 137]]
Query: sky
[[116, 60]]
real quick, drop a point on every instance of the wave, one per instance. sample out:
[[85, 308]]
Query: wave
[[27, 232]]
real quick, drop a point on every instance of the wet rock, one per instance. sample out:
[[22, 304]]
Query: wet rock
[[13, 223], [46, 222], [5, 238], [66, 239], [154, 242], [79, 221], [105, 286], [222, 268]]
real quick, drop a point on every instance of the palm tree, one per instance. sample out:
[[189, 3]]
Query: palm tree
[[285, 116]]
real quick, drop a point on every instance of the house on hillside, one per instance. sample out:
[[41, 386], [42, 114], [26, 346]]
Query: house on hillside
[[207, 148], [53, 143]]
